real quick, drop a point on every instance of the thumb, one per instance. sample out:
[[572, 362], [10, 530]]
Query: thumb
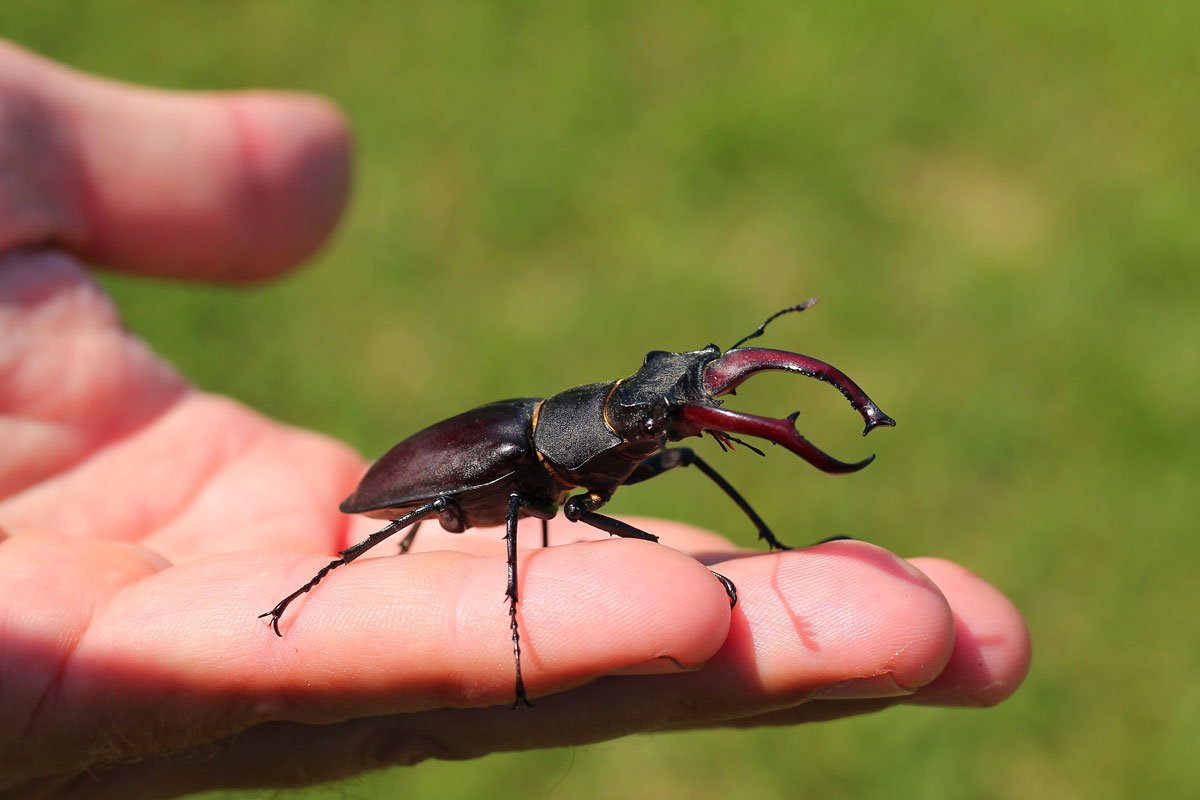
[[208, 186]]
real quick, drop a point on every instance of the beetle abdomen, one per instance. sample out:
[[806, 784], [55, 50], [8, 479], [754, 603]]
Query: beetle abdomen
[[475, 449]]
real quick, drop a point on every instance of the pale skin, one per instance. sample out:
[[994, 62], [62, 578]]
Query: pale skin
[[144, 524]]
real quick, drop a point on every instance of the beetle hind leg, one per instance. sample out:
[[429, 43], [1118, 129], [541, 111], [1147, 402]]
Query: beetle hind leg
[[354, 551]]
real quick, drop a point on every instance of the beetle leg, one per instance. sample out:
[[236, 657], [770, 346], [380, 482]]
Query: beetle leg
[[515, 504], [545, 533], [353, 552], [615, 527], [686, 457], [407, 542], [510, 539], [730, 589], [581, 508]]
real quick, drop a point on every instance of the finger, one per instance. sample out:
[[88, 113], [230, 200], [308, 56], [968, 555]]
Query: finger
[[179, 656], [232, 186], [992, 650], [991, 656], [843, 617]]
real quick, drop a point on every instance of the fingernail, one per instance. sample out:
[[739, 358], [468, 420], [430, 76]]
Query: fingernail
[[663, 665], [875, 686]]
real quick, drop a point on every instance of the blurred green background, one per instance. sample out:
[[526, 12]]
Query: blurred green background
[[999, 204]]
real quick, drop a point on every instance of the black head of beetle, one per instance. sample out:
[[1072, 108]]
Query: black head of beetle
[[674, 396], [645, 406], [600, 435]]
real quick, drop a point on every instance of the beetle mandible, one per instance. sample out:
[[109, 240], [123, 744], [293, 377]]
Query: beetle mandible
[[522, 458]]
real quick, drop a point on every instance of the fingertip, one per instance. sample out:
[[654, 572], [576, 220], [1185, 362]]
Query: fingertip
[[296, 152], [880, 599], [210, 186], [992, 651], [225, 187], [844, 619]]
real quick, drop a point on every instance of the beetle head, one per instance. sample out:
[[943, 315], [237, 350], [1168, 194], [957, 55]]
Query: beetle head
[[674, 395], [644, 407]]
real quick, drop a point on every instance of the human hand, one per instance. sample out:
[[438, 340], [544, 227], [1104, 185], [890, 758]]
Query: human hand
[[145, 524]]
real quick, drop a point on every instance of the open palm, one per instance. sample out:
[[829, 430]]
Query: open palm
[[145, 524]]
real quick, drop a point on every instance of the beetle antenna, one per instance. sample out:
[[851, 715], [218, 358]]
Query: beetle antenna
[[726, 441], [809, 303], [746, 445]]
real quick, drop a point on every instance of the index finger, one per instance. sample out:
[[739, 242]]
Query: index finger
[[236, 186]]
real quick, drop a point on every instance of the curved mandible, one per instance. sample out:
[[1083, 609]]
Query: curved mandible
[[728, 372], [779, 431]]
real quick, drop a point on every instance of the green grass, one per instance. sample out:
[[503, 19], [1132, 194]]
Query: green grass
[[997, 203]]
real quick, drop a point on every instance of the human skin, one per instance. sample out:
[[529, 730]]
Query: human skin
[[145, 523]]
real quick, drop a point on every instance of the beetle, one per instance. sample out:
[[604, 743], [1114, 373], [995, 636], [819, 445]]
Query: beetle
[[523, 457]]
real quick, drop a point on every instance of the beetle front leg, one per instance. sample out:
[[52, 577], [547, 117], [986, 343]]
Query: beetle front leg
[[686, 457], [577, 509], [581, 508]]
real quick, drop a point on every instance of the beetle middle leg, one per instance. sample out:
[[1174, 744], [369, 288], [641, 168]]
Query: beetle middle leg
[[686, 457], [441, 506], [543, 512]]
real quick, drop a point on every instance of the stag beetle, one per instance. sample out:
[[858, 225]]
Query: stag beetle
[[521, 458]]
